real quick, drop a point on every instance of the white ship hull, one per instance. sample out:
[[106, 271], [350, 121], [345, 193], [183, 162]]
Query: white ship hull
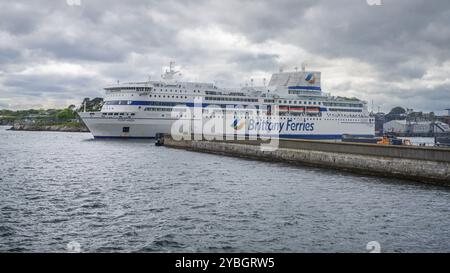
[[148, 127]]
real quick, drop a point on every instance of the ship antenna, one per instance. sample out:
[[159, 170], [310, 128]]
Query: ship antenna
[[168, 75], [303, 66]]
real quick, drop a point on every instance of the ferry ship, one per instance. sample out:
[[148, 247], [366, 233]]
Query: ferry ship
[[292, 105]]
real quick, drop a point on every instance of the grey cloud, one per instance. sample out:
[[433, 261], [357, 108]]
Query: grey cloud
[[62, 87], [401, 40], [9, 55], [250, 62], [18, 18]]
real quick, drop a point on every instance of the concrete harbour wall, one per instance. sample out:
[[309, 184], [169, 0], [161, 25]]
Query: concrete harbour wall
[[428, 165]]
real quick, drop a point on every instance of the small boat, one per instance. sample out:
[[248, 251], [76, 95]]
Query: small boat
[[442, 141], [159, 139], [358, 139], [284, 108], [294, 109], [393, 140], [312, 110]]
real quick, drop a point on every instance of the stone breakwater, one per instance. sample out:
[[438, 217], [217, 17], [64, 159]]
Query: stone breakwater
[[55, 128], [428, 165]]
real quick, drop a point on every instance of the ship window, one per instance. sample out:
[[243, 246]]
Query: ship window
[[125, 129]]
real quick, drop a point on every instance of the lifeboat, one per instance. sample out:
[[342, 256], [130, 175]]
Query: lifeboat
[[283, 108], [295, 109], [312, 110]]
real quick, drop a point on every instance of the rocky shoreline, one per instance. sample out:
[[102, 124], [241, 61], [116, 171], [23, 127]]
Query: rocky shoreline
[[52, 128]]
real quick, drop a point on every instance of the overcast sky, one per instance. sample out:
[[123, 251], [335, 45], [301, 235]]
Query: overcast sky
[[53, 54]]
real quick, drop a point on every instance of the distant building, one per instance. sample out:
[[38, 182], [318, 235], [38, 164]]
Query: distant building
[[445, 118], [441, 127], [395, 126], [379, 121], [420, 128]]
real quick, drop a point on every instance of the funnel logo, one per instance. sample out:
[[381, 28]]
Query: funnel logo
[[310, 78], [237, 125]]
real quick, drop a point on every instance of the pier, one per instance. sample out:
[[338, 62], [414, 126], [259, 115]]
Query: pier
[[424, 164]]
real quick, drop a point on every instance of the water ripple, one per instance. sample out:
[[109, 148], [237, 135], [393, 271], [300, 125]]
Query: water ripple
[[130, 196]]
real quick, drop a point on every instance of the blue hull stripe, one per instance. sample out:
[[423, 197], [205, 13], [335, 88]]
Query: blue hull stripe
[[191, 104], [123, 137], [305, 88], [203, 105], [280, 136], [141, 102], [319, 136]]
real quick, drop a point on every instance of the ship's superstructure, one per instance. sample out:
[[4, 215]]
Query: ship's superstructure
[[291, 106]]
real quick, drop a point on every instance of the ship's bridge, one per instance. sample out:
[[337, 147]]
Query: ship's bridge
[[129, 87]]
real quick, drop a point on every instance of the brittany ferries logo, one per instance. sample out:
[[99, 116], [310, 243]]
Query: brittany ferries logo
[[237, 125], [213, 122], [310, 78]]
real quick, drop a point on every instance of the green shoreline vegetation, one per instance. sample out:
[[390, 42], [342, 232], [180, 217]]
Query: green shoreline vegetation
[[66, 119]]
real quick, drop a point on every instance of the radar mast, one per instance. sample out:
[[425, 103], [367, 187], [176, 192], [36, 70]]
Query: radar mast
[[169, 74]]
